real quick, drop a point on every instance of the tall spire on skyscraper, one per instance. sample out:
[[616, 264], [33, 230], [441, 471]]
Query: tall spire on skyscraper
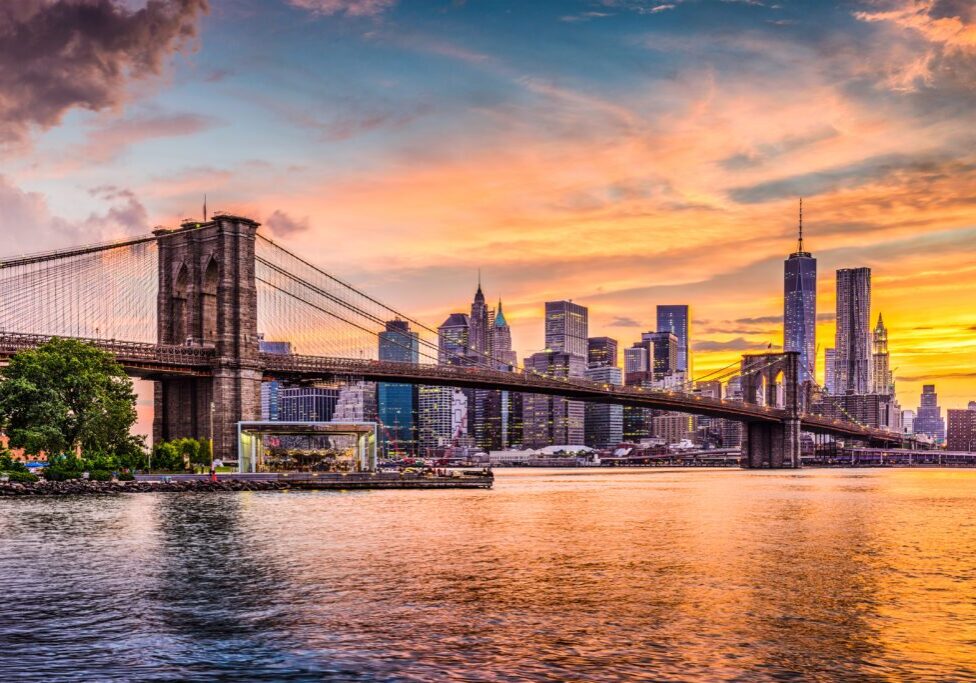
[[800, 246]]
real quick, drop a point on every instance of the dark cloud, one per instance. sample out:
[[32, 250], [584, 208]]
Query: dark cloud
[[761, 320], [283, 225], [846, 177], [934, 376], [737, 344], [623, 321], [56, 55]]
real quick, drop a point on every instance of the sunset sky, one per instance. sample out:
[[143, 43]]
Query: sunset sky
[[620, 153]]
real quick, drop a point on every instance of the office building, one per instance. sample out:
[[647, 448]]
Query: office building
[[961, 429], [800, 307], [396, 402], [601, 352], [830, 356], [553, 420], [882, 381], [852, 344], [566, 328], [307, 404], [676, 319], [604, 424], [928, 417]]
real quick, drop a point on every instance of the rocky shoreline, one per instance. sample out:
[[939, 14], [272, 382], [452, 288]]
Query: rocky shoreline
[[85, 487]]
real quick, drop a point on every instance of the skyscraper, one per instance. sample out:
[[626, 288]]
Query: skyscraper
[[800, 307], [397, 403], [830, 358], [601, 352], [453, 340], [676, 319], [501, 342], [566, 328], [604, 423], [852, 363], [881, 379], [928, 419]]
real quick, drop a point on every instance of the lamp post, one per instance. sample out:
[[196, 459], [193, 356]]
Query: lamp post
[[213, 470]]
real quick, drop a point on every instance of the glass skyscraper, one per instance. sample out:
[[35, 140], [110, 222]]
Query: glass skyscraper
[[675, 319], [397, 403], [800, 307], [852, 347]]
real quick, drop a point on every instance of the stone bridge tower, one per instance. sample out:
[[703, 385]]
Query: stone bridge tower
[[208, 298], [771, 378]]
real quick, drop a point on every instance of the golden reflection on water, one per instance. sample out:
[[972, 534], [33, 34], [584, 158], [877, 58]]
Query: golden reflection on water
[[553, 575]]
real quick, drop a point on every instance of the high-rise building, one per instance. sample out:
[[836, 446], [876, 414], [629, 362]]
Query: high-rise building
[[830, 358], [800, 307], [601, 352], [881, 379], [453, 340], [852, 363], [307, 404], [604, 423], [479, 330], [663, 352], [928, 418], [356, 403], [636, 359], [566, 328], [676, 319], [908, 422], [553, 420], [961, 429], [271, 391], [501, 342], [397, 403]]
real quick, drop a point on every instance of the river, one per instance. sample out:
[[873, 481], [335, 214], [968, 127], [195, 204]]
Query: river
[[553, 575]]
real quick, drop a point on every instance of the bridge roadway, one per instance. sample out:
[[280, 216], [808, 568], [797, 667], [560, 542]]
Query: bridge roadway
[[153, 361]]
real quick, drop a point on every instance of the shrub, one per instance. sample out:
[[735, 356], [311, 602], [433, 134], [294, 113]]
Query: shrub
[[63, 468], [100, 475], [22, 477]]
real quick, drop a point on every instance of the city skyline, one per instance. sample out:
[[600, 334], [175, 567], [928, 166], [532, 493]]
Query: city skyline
[[661, 175]]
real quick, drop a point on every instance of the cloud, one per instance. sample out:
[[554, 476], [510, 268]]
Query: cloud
[[623, 321], [39, 229], [737, 344], [761, 320], [352, 8], [56, 55], [284, 225]]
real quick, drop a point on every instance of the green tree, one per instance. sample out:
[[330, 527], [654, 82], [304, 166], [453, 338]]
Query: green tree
[[65, 394]]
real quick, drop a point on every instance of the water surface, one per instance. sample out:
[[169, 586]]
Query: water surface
[[554, 575]]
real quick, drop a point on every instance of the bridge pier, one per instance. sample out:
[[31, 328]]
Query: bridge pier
[[771, 445], [208, 298]]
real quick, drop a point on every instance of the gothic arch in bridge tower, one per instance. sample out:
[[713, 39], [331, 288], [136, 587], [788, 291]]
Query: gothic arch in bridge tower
[[208, 301], [179, 311]]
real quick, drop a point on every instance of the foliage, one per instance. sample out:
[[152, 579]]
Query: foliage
[[166, 456], [66, 394], [63, 468], [21, 477], [9, 465]]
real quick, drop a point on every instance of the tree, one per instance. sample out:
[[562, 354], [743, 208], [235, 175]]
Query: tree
[[67, 394]]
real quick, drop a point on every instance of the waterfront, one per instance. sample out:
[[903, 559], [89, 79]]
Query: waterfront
[[553, 575]]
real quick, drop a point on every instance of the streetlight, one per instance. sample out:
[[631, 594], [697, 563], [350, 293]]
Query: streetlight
[[213, 471]]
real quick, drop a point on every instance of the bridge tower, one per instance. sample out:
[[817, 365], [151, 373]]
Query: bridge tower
[[208, 298], [771, 378]]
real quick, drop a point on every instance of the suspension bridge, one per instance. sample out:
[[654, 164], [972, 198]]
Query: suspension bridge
[[187, 307]]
